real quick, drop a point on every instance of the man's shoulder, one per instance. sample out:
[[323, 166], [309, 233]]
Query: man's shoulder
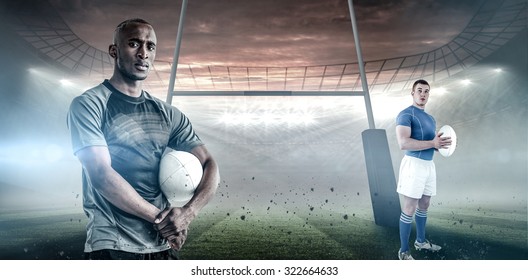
[[406, 111], [92, 97], [413, 111], [153, 98], [160, 103], [99, 91], [406, 116]]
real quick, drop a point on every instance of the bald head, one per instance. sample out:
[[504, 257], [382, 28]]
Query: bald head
[[127, 23]]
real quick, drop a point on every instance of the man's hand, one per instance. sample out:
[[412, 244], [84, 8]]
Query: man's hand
[[176, 242], [172, 223], [441, 142]]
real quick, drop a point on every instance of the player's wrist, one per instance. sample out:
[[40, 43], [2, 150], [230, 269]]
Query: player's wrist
[[435, 145], [190, 211], [152, 216]]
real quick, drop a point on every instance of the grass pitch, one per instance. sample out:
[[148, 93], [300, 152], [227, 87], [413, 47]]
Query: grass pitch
[[283, 233]]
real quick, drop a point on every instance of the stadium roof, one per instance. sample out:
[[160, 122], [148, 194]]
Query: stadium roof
[[492, 26]]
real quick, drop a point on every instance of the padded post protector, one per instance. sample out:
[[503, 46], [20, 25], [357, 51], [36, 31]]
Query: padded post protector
[[382, 181]]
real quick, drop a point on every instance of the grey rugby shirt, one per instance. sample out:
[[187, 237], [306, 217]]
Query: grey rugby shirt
[[136, 132]]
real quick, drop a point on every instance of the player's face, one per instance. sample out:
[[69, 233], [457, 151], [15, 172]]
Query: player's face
[[134, 51], [420, 95]]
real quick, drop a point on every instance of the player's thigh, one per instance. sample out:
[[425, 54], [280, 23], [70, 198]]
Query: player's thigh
[[408, 205], [412, 180], [430, 184]]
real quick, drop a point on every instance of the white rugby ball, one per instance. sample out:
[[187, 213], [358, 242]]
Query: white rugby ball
[[179, 175], [448, 132]]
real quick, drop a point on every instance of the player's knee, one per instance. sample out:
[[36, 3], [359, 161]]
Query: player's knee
[[409, 210], [424, 205]]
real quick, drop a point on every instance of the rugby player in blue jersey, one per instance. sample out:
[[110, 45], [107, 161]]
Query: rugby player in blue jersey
[[416, 134]]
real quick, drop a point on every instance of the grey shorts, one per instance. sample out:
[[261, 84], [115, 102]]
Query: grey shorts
[[108, 254]]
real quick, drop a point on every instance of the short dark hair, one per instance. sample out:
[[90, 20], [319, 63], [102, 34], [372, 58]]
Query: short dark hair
[[422, 82], [123, 24]]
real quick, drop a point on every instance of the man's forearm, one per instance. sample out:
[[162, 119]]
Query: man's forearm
[[122, 195], [416, 145]]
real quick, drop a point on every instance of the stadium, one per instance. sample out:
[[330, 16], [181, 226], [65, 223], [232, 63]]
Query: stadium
[[286, 130]]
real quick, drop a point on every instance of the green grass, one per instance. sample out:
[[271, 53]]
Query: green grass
[[42, 234], [322, 234], [263, 236], [284, 233]]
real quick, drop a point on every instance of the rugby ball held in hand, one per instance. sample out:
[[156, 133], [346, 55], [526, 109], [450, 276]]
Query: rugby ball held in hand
[[448, 132]]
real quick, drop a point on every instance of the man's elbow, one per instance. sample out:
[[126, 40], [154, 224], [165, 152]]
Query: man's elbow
[[401, 145], [211, 166], [100, 179]]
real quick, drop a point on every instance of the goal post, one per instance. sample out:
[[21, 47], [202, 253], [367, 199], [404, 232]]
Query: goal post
[[382, 184]]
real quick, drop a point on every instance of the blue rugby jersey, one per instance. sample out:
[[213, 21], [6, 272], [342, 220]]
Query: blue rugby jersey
[[423, 127]]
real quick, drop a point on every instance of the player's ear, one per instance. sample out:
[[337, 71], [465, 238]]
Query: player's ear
[[112, 50]]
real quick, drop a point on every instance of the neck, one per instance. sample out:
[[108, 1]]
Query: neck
[[419, 106], [131, 88]]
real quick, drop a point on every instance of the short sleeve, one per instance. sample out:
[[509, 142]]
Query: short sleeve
[[84, 122], [182, 137], [404, 118]]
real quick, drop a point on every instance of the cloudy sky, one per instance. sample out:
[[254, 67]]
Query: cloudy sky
[[277, 32]]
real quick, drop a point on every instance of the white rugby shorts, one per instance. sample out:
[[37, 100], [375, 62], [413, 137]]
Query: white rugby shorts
[[417, 177]]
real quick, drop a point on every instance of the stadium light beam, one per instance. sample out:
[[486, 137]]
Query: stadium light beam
[[255, 119], [441, 90], [66, 82], [466, 82]]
